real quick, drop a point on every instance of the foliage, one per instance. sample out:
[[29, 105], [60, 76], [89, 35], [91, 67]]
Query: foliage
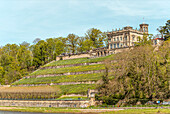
[[165, 30], [15, 61], [146, 40], [72, 40], [141, 73], [96, 37]]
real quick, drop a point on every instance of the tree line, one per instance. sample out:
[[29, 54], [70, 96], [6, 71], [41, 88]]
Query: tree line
[[17, 61]]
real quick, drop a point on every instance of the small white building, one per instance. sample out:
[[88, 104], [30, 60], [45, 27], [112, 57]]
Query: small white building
[[157, 41]]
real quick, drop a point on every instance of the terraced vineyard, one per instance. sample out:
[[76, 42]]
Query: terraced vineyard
[[61, 77], [76, 61], [68, 69]]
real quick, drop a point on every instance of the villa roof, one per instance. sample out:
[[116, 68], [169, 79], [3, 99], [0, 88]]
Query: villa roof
[[158, 39]]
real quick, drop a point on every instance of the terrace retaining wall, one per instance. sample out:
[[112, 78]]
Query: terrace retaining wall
[[63, 83], [71, 65], [68, 73], [59, 103]]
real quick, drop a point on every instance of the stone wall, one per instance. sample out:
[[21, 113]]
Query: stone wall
[[71, 65], [98, 52], [58, 103], [68, 73], [62, 83], [74, 56]]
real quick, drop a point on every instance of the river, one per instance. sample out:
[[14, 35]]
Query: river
[[8, 112]]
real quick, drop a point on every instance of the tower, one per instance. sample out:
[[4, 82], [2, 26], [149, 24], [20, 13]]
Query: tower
[[144, 28]]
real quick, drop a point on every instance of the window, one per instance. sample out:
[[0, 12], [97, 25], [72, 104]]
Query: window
[[133, 38], [114, 39], [110, 46], [109, 40], [114, 45], [143, 29], [125, 37], [117, 45], [121, 45], [121, 38], [117, 38]]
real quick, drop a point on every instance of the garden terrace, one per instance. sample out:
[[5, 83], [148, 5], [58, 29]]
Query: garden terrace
[[60, 79], [75, 89], [68, 69], [76, 61]]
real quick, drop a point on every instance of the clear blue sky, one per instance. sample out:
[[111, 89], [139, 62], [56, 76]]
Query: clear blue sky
[[25, 20]]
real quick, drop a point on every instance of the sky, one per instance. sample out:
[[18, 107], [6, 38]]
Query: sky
[[26, 20]]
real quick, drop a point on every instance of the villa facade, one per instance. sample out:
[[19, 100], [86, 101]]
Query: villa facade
[[126, 37]]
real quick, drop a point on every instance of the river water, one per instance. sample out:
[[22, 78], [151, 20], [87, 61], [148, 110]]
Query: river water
[[7, 112]]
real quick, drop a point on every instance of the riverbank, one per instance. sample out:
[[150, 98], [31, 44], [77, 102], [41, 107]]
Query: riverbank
[[120, 110]]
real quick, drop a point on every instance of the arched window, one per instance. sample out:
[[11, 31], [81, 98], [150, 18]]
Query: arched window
[[133, 38], [143, 29]]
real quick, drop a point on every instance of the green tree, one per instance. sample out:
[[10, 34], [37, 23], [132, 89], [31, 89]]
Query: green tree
[[96, 36], [59, 47], [139, 74], [50, 48], [40, 53], [24, 57], [72, 42], [146, 40], [80, 44], [165, 30]]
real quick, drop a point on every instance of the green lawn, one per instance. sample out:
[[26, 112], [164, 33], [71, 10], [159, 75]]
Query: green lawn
[[76, 61], [59, 79], [75, 89], [73, 110], [140, 111], [72, 98], [68, 69]]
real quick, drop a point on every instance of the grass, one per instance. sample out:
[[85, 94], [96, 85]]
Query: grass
[[59, 79], [76, 61], [68, 69], [140, 111], [73, 110], [42, 110], [75, 89], [72, 98]]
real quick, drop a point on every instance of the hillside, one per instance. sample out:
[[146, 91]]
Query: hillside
[[73, 76]]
